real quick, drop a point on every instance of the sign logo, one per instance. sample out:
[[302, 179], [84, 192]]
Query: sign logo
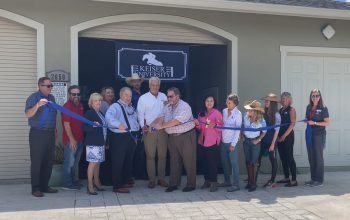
[[167, 62], [151, 59]]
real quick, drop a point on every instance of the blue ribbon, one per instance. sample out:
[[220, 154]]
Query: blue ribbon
[[308, 135], [84, 120], [80, 118]]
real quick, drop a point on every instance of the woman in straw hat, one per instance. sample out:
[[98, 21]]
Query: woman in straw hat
[[251, 140], [268, 143]]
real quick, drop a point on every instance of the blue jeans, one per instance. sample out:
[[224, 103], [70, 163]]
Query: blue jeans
[[251, 151], [71, 160], [229, 158]]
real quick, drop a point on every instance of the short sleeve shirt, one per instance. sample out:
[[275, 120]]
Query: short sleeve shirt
[[75, 125], [181, 112], [50, 121], [320, 115]]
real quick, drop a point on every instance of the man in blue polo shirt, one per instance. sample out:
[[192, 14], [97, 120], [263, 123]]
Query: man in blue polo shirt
[[42, 122]]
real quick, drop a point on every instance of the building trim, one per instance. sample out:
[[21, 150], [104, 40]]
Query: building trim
[[40, 37], [232, 40], [245, 7]]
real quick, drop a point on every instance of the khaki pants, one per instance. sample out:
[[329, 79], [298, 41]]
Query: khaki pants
[[183, 152], [156, 142]]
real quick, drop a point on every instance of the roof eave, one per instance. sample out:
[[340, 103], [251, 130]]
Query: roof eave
[[245, 7]]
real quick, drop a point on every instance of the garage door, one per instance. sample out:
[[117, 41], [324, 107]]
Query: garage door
[[331, 74], [18, 73]]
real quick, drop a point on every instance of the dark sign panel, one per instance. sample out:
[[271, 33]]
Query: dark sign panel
[[167, 62]]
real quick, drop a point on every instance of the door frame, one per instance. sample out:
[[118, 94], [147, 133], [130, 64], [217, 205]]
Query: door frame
[[232, 40], [40, 37]]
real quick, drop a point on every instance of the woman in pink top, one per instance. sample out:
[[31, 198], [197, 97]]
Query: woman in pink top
[[209, 139]]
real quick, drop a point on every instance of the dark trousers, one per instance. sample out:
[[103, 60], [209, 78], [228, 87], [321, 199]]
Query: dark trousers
[[211, 157], [183, 152], [42, 154], [139, 167], [285, 150], [122, 153], [272, 156], [315, 155]]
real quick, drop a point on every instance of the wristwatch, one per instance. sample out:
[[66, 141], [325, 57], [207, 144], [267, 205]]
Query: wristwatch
[[315, 123]]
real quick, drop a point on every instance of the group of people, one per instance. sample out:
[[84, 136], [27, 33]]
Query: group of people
[[164, 122]]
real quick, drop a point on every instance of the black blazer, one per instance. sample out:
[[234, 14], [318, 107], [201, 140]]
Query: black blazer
[[94, 135]]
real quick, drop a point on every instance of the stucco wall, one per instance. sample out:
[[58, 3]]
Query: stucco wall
[[259, 36]]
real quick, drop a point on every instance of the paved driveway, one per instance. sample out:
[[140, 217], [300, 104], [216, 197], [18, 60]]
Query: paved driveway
[[332, 201]]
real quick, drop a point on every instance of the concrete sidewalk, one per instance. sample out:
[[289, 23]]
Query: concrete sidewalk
[[332, 201]]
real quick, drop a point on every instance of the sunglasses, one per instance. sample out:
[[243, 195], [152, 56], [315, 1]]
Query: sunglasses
[[75, 94], [48, 86], [315, 96]]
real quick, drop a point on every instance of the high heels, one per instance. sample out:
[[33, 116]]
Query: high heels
[[99, 189], [89, 192]]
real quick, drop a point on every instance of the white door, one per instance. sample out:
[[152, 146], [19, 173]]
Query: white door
[[337, 84], [332, 76]]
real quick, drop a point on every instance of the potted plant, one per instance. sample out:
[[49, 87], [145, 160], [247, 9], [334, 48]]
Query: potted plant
[[57, 169]]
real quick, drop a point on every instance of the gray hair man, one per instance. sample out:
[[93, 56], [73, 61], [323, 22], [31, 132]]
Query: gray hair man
[[149, 107]]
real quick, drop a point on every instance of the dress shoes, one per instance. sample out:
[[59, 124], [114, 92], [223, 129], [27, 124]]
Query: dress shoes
[[121, 190], [171, 188], [163, 183], [188, 189], [37, 194], [51, 190], [127, 185], [151, 184], [131, 181]]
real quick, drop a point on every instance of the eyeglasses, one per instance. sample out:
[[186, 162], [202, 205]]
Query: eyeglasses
[[315, 96], [170, 96], [75, 94], [48, 86]]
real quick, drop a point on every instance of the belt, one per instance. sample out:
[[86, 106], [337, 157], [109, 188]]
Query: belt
[[251, 138], [178, 134]]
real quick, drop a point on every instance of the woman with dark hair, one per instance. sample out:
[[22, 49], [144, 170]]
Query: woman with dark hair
[[286, 140], [317, 119], [268, 143], [209, 140]]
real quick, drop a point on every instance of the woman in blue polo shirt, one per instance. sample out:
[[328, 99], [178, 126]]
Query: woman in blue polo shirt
[[317, 120]]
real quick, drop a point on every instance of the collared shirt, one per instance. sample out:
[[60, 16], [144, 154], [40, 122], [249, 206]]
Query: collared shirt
[[319, 116], [150, 107], [233, 120], [135, 95], [210, 136], [104, 106], [181, 112], [75, 125], [248, 124], [50, 122], [115, 117]]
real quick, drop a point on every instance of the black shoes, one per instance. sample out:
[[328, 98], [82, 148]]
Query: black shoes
[[89, 192], [283, 181], [171, 188], [188, 189], [291, 184]]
